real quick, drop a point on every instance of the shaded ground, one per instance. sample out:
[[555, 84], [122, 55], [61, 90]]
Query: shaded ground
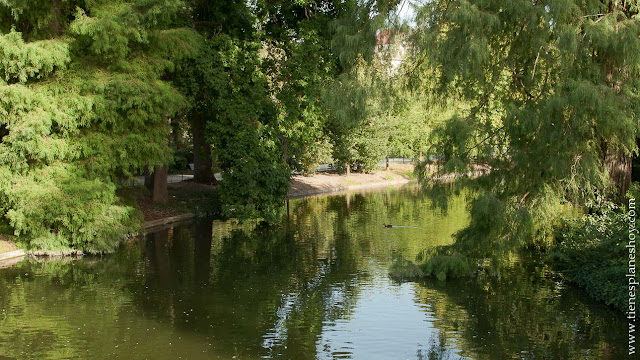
[[190, 197], [184, 197]]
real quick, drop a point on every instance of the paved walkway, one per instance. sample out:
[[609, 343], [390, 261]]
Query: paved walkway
[[170, 179], [174, 178]]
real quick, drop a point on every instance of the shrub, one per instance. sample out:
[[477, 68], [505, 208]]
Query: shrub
[[590, 252]]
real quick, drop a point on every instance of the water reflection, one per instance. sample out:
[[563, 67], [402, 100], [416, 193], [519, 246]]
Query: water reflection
[[315, 287]]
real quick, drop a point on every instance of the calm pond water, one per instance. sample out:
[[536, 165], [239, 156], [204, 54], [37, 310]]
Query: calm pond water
[[316, 287]]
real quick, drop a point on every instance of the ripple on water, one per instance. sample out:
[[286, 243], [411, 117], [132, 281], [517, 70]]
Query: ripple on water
[[385, 322], [315, 288]]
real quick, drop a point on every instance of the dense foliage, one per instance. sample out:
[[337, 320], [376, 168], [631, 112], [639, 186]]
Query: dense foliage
[[553, 89], [299, 64], [591, 252], [83, 103], [95, 92], [255, 179]]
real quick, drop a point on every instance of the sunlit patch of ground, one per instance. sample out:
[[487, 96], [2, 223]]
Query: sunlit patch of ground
[[6, 245], [330, 181]]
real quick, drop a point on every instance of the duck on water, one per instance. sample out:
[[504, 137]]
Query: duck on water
[[400, 226]]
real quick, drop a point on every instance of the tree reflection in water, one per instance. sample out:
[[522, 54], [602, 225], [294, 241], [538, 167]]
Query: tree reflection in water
[[315, 286]]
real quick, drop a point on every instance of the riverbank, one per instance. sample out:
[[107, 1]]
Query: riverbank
[[9, 252], [328, 182], [6, 245], [188, 200]]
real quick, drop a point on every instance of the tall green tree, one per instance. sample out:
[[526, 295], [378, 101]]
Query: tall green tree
[[255, 179], [197, 77], [233, 116], [84, 103], [299, 64]]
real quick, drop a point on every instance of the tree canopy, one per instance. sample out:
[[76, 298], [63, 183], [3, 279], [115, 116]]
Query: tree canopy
[[553, 88], [84, 102], [94, 91], [542, 93]]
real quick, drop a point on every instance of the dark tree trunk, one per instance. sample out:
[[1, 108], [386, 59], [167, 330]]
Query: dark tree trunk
[[3, 132], [148, 178], [202, 251], [202, 161], [160, 190], [619, 167], [54, 24], [386, 167]]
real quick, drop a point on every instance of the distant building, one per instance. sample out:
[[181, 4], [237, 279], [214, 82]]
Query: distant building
[[391, 48]]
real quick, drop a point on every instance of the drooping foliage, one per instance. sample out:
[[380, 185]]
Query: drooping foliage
[[370, 114], [83, 105], [348, 97], [347, 101], [554, 91]]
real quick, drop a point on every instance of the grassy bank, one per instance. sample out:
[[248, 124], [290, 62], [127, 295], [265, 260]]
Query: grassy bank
[[589, 251]]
